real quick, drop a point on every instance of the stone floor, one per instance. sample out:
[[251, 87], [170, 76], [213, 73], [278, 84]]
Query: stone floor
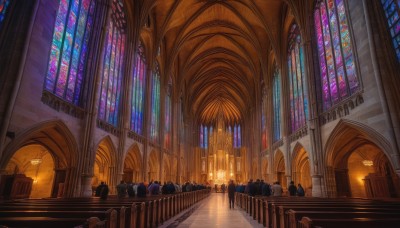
[[213, 212]]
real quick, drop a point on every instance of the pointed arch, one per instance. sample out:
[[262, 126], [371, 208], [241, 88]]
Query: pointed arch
[[280, 168], [154, 165], [132, 164], [301, 166]]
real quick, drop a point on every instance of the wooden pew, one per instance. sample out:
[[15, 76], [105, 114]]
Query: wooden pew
[[306, 222]]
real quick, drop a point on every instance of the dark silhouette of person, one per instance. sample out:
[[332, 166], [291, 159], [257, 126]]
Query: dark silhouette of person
[[231, 194], [292, 189], [104, 192], [98, 189], [300, 190], [131, 192], [141, 190]]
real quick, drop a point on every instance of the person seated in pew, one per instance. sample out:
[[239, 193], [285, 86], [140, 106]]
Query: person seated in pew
[[154, 188], [121, 189], [141, 190], [292, 189], [300, 190], [277, 189]]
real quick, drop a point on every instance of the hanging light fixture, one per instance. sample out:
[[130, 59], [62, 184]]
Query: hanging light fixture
[[368, 162], [36, 161]]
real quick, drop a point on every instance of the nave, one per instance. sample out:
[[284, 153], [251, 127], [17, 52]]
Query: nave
[[214, 212]]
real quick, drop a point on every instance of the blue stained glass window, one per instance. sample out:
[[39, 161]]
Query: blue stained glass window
[[69, 49], [138, 91], [112, 68], [277, 104], [4, 4], [392, 12], [297, 80], [155, 105], [237, 137], [264, 135]]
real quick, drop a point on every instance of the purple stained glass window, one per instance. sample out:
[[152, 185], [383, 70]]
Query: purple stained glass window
[[392, 12], [112, 70], [4, 4], [297, 80], [68, 54], [138, 91], [335, 55], [168, 116], [264, 136]]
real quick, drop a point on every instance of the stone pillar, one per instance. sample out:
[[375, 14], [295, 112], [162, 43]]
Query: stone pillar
[[86, 183], [317, 186]]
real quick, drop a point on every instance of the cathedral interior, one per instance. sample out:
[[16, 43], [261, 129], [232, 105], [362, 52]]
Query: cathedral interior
[[205, 91]]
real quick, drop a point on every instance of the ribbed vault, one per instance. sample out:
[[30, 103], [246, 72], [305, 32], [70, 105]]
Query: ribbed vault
[[220, 49]]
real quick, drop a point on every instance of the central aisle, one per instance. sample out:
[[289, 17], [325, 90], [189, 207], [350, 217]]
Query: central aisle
[[214, 212]]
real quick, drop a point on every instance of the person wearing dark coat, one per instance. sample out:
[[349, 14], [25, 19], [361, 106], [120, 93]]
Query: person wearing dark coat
[[292, 189], [266, 189], [99, 188], [131, 192], [104, 192], [231, 194], [141, 190]]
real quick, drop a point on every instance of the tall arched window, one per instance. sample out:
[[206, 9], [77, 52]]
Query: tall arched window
[[204, 136], [335, 54], [168, 115], [237, 136], [297, 80], [155, 104], [3, 10], [392, 12], [264, 136], [277, 104], [138, 91], [112, 67], [69, 49]]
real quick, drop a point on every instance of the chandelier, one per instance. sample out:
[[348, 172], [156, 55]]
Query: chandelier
[[36, 161], [368, 163]]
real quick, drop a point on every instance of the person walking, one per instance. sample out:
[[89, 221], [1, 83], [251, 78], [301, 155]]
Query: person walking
[[231, 194]]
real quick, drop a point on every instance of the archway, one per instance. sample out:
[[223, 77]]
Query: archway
[[154, 166], [35, 162], [301, 171], [279, 168], [48, 149], [133, 165], [104, 165], [357, 164]]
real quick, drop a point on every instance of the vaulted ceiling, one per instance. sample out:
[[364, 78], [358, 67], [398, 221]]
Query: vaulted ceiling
[[219, 50]]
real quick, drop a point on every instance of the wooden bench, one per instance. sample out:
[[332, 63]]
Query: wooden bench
[[306, 222]]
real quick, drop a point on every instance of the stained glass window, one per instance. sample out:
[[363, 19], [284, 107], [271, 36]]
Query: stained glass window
[[392, 12], [168, 115], [277, 104], [237, 137], [3, 10], [201, 136], [138, 91], [264, 137], [112, 67], [297, 80], [69, 49], [155, 105], [335, 55]]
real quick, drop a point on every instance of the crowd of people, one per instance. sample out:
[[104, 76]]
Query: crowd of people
[[142, 189], [259, 187]]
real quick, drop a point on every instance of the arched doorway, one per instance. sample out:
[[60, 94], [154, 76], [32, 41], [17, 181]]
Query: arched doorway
[[104, 165], [34, 161], [279, 168], [154, 166], [133, 165], [47, 154], [301, 171], [357, 165]]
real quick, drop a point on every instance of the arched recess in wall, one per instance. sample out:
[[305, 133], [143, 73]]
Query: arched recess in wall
[[264, 169], [279, 168], [301, 168], [167, 168], [359, 163], [133, 165], [154, 166], [104, 168], [46, 154]]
